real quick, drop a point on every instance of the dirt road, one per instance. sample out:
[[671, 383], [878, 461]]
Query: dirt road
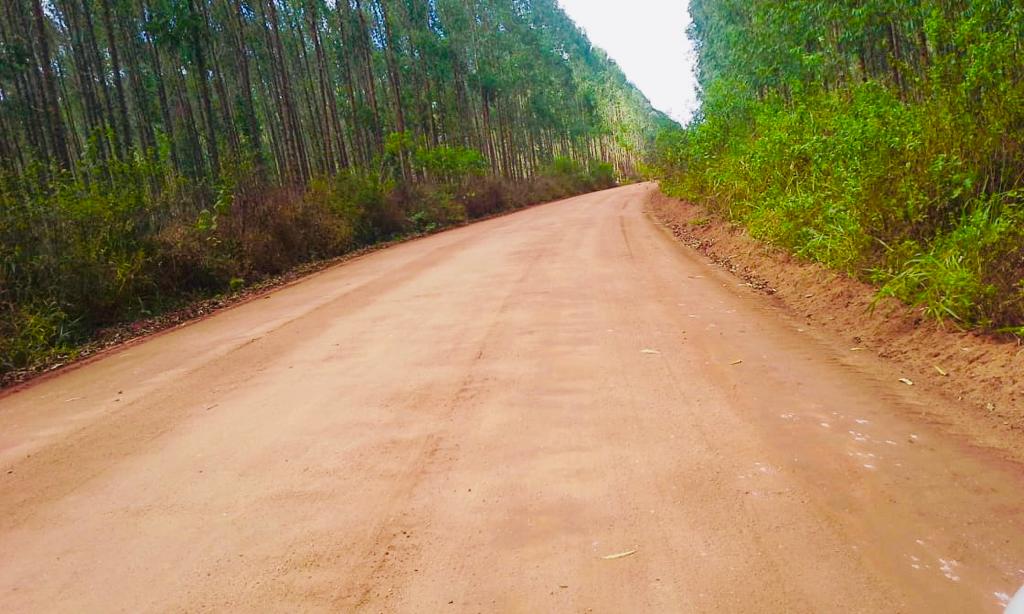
[[477, 422]]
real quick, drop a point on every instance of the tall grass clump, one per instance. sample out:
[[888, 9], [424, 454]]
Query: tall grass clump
[[903, 169]]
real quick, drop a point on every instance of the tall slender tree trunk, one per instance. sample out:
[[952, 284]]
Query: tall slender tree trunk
[[250, 121], [113, 134], [165, 110], [55, 123], [206, 106], [115, 61], [396, 84], [289, 113]]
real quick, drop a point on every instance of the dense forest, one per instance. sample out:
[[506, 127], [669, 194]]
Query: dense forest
[[882, 138], [153, 151]]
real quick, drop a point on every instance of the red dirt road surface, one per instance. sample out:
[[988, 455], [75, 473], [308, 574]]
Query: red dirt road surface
[[558, 410]]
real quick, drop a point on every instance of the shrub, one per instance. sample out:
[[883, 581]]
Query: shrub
[[890, 191], [80, 253]]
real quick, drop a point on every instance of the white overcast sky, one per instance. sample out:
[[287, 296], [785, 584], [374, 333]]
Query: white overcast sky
[[647, 38]]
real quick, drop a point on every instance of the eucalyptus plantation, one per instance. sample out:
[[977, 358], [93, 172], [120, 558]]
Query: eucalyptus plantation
[[152, 151]]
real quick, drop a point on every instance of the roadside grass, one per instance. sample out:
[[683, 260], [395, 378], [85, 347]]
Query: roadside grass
[[82, 254], [916, 197]]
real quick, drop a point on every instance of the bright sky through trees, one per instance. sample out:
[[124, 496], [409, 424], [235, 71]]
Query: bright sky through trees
[[647, 39]]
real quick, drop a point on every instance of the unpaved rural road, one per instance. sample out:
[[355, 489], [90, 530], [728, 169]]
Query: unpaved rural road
[[475, 422]]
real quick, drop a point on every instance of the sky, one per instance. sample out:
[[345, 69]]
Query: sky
[[647, 38]]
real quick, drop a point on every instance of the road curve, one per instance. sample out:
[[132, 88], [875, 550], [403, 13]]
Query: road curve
[[557, 410]]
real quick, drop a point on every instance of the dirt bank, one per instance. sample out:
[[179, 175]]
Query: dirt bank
[[982, 374]]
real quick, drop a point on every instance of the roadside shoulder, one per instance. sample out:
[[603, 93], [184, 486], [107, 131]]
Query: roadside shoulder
[[982, 376]]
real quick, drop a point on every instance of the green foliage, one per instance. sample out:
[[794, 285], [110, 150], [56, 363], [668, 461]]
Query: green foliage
[[450, 164], [153, 152], [574, 177], [902, 165], [76, 256], [601, 175], [33, 334]]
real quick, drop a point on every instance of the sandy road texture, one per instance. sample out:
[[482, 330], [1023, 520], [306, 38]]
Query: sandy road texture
[[474, 422]]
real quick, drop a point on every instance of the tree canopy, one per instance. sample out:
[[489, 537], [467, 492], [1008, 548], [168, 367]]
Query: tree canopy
[[154, 151], [306, 87]]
